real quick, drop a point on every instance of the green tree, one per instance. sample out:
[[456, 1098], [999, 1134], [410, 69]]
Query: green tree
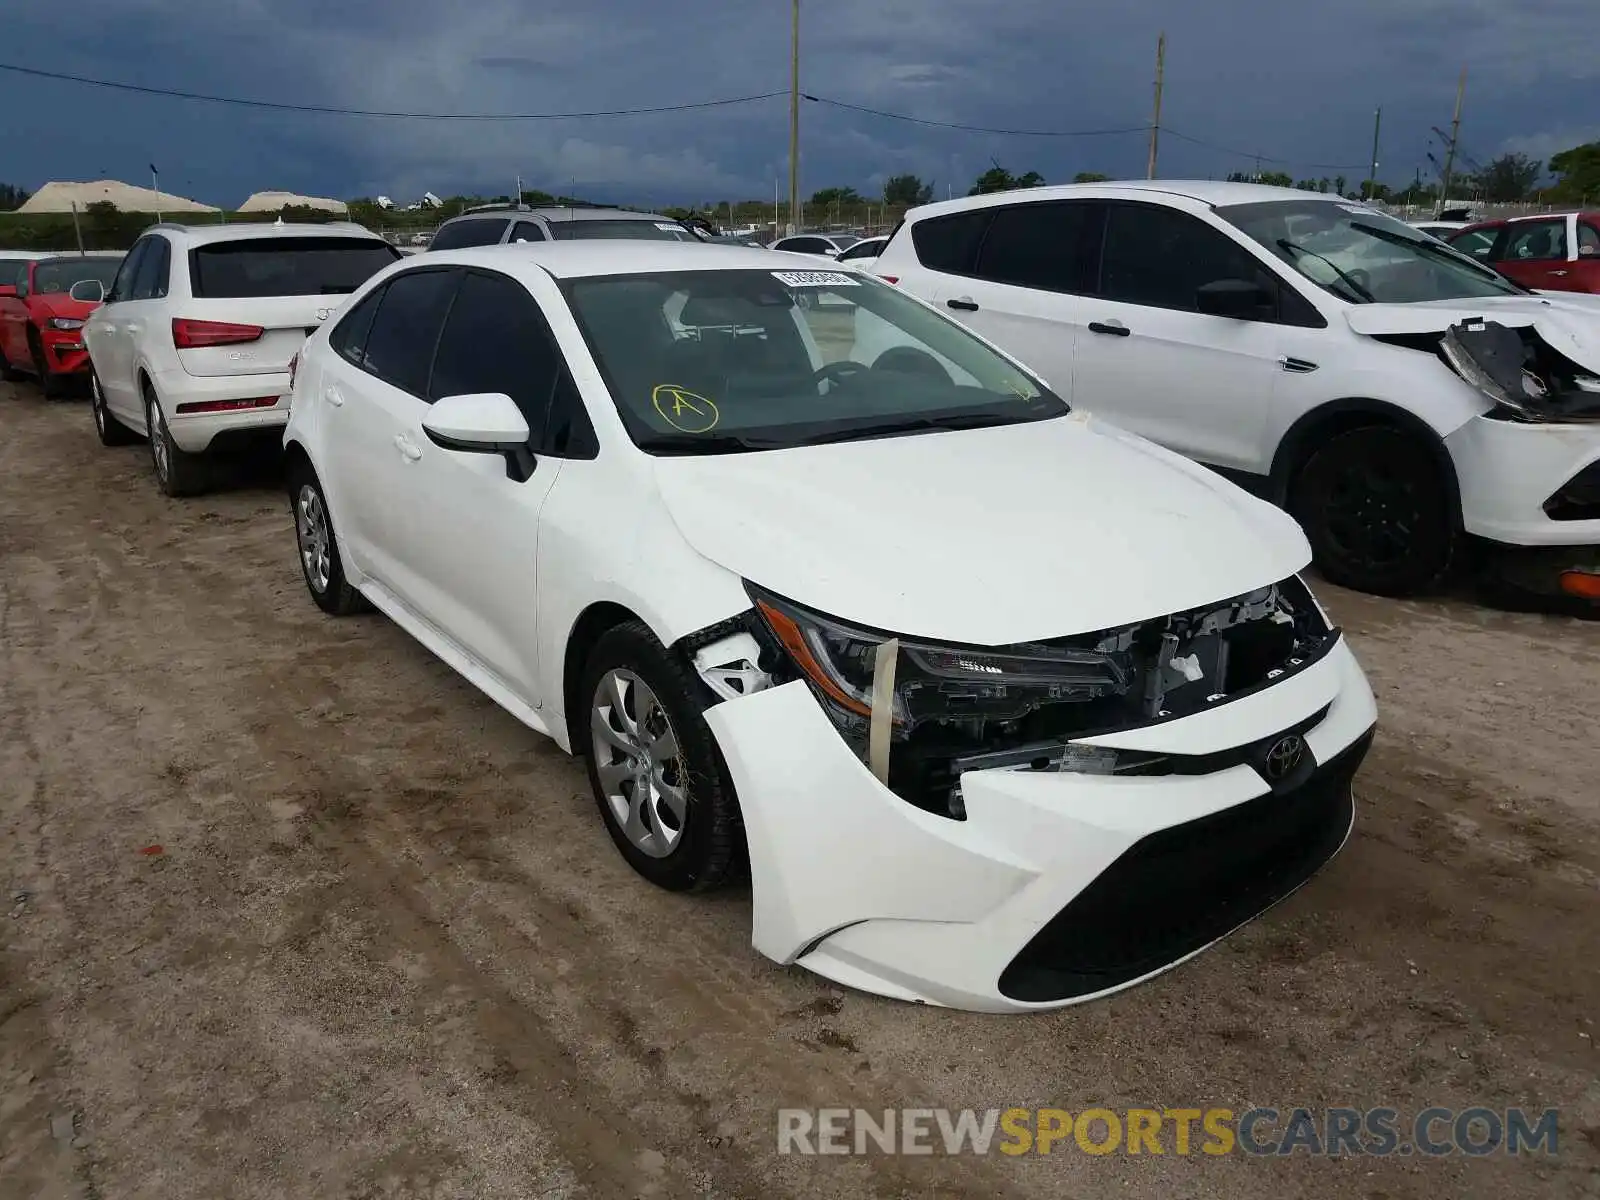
[[1510, 177], [828, 197], [12, 197], [906, 191], [998, 179], [1338, 184], [1090, 177], [1579, 172], [1275, 179]]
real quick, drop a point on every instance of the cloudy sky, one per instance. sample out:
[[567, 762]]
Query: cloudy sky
[[1295, 83]]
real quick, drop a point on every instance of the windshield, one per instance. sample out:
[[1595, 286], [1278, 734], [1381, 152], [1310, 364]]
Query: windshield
[[704, 362], [640, 230], [1363, 256], [53, 278]]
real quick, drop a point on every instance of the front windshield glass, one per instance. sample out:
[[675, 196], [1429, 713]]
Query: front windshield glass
[[707, 362], [57, 276], [1362, 255]]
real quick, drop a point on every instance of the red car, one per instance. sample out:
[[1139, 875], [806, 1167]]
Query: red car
[[1558, 252], [41, 325]]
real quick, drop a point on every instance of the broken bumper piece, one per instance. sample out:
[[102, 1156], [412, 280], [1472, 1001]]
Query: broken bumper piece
[[1056, 886]]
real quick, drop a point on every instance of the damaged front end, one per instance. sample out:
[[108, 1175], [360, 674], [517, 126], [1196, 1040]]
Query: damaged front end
[[1527, 378], [919, 714]]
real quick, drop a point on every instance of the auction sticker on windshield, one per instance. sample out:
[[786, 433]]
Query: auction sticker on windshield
[[814, 279]]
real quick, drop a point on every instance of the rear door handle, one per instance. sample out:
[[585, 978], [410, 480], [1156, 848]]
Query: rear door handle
[[963, 303], [407, 447], [333, 396], [1114, 327], [1558, 272]]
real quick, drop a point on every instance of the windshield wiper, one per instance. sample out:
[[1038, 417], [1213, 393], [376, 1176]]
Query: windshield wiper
[[931, 422], [1344, 278], [708, 443]]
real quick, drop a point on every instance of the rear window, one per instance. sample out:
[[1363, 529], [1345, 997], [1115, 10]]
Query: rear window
[[290, 266], [650, 231], [457, 235], [950, 244]]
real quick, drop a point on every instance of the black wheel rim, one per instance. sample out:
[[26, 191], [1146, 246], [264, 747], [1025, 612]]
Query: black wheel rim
[[1373, 514]]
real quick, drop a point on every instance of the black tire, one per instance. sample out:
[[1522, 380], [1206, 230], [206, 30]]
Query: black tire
[[53, 385], [328, 586], [1379, 512], [709, 848], [178, 473], [111, 431]]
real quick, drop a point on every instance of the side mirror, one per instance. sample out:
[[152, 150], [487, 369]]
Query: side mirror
[[1237, 298], [482, 423], [90, 291]]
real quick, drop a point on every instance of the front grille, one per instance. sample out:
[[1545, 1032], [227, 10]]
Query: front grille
[[1579, 497], [1174, 891]]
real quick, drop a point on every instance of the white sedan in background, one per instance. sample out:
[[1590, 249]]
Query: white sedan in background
[[1003, 708]]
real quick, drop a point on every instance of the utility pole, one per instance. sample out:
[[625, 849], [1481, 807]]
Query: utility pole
[[1372, 178], [1455, 135], [155, 186], [516, 196], [794, 116], [1155, 124]]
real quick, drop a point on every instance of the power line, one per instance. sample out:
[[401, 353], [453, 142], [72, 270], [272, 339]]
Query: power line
[[243, 102], [1266, 158], [1047, 133]]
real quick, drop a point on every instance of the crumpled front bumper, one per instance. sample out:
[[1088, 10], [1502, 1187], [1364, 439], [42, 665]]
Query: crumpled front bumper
[[989, 913]]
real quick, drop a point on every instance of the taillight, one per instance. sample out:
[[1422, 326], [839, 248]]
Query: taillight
[[215, 406], [294, 365], [890, 278], [191, 335]]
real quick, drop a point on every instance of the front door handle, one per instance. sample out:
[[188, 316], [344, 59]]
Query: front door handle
[[333, 396], [407, 447], [1558, 272], [963, 303], [1114, 327]]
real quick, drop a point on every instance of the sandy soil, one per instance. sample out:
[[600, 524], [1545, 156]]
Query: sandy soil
[[385, 948]]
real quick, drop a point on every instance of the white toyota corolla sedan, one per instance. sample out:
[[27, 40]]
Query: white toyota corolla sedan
[[1001, 707]]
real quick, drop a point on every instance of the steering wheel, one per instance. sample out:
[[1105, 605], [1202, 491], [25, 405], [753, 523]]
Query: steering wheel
[[909, 360], [837, 373], [1361, 278]]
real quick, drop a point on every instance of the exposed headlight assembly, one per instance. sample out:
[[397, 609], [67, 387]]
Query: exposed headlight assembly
[[65, 323]]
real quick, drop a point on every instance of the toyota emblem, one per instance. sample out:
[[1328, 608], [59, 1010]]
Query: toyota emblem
[[1284, 757]]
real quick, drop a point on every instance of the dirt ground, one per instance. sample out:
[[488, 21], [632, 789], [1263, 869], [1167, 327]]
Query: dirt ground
[[385, 948]]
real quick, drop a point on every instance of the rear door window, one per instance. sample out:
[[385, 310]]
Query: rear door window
[[1041, 246], [457, 235], [400, 344], [1588, 239], [950, 243], [287, 266]]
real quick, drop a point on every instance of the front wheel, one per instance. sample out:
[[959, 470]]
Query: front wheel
[[110, 431], [653, 765], [1378, 511]]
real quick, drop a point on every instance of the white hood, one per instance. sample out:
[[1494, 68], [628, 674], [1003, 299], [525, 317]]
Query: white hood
[[986, 536], [1567, 324]]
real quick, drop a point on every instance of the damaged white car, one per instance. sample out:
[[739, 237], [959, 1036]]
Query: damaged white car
[[1399, 398], [1002, 707]]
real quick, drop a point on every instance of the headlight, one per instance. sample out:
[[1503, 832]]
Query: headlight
[[932, 683], [65, 323]]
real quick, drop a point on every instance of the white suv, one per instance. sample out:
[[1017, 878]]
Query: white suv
[[1393, 394], [194, 343]]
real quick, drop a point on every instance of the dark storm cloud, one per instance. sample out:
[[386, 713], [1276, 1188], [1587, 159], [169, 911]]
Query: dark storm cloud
[[1296, 84]]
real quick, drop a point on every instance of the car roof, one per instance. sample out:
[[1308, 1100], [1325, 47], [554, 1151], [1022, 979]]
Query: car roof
[[204, 235], [582, 259], [1209, 192], [55, 258]]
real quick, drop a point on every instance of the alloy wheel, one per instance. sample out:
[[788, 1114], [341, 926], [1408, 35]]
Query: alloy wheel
[[1373, 515], [311, 528], [97, 404], [638, 763], [158, 442]]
